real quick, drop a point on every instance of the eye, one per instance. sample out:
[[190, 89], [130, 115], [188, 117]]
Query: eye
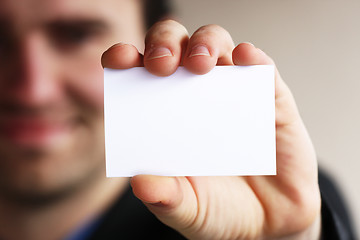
[[75, 35], [68, 37], [6, 44]]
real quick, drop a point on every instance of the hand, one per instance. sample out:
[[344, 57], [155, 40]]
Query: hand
[[253, 207]]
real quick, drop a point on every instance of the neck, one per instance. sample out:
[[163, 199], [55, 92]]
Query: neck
[[59, 218]]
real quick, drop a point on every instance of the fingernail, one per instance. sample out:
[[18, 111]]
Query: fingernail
[[199, 50], [159, 52]]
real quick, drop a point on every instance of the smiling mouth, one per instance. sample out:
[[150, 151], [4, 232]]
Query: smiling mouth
[[35, 131]]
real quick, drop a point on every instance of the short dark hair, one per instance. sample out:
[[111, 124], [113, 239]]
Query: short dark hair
[[155, 10]]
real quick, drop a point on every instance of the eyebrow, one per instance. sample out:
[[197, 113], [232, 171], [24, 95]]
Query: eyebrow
[[91, 24], [80, 23]]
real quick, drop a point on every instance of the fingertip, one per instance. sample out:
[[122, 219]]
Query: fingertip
[[161, 61], [164, 45], [200, 59], [199, 65], [246, 54], [121, 56], [210, 45]]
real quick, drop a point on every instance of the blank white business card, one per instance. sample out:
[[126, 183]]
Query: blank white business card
[[217, 124]]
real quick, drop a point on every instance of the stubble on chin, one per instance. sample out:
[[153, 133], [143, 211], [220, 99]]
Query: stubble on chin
[[42, 176]]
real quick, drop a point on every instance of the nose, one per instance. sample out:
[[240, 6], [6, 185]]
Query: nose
[[33, 80]]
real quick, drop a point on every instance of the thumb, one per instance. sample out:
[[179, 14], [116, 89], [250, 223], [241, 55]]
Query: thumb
[[171, 199]]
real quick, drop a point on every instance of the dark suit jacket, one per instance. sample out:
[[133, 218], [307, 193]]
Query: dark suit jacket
[[128, 218]]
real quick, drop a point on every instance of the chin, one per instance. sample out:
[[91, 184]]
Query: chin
[[51, 161], [40, 175]]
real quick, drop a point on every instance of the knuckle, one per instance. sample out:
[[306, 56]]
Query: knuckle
[[159, 36], [170, 22], [165, 30], [213, 33], [211, 29]]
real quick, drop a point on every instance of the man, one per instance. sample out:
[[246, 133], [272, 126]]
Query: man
[[52, 179]]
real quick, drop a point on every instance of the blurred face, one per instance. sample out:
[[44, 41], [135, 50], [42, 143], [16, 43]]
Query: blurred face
[[51, 89]]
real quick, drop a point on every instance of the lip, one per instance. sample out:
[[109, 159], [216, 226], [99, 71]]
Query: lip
[[34, 131]]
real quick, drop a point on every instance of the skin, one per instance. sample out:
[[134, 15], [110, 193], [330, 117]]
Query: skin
[[51, 111], [51, 89], [264, 206]]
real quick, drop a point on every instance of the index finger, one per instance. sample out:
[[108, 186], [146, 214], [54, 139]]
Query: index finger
[[122, 56]]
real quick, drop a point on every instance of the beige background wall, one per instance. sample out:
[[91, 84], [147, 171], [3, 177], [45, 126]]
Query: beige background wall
[[316, 45]]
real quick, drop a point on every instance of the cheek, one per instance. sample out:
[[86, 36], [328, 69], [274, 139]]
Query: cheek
[[86, 84]]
